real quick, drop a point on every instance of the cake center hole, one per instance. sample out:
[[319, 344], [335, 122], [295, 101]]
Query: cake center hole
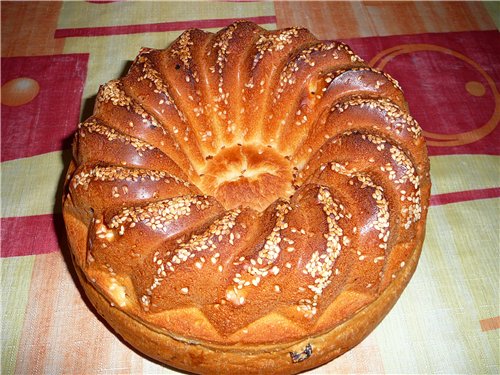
[[247, 176]]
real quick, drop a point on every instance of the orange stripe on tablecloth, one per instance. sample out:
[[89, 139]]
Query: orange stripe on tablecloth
[[365, 358], [490, 323], [156, 27], [28, 28], [61, 334], [464, 196], [353, 19]]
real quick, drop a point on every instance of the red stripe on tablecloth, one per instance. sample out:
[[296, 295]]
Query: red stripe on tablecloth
[[464, 196], [156, 27], [31, 235]]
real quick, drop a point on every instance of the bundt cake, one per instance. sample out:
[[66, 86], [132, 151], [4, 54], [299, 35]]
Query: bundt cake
[[248, 201]]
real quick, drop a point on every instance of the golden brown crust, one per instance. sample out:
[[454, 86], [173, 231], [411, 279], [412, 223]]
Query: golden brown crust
[[288, 358], [247, 200]]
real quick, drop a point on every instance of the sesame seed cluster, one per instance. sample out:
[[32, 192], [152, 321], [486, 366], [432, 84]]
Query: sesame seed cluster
[[321, 265], [381, 222], [273, 42], [158, 215], [93, 126], [288, 74], [184, 49], [263, 264], [205, 243], [114, 173], [112, 92], [154, 78], [395, 116]]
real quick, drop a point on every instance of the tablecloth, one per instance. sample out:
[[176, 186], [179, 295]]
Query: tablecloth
[[446, 55]]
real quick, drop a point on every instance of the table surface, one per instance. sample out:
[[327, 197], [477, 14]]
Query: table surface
[[446, 57]]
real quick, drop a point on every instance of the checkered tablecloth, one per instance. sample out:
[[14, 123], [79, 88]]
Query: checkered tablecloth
[[446, 57]]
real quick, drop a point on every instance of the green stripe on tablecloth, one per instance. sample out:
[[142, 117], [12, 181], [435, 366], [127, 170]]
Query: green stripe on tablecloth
[[452, 173], [32, 186], [479, 256], [16, 279], [436, 322], [86, 14], [493, 8]]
